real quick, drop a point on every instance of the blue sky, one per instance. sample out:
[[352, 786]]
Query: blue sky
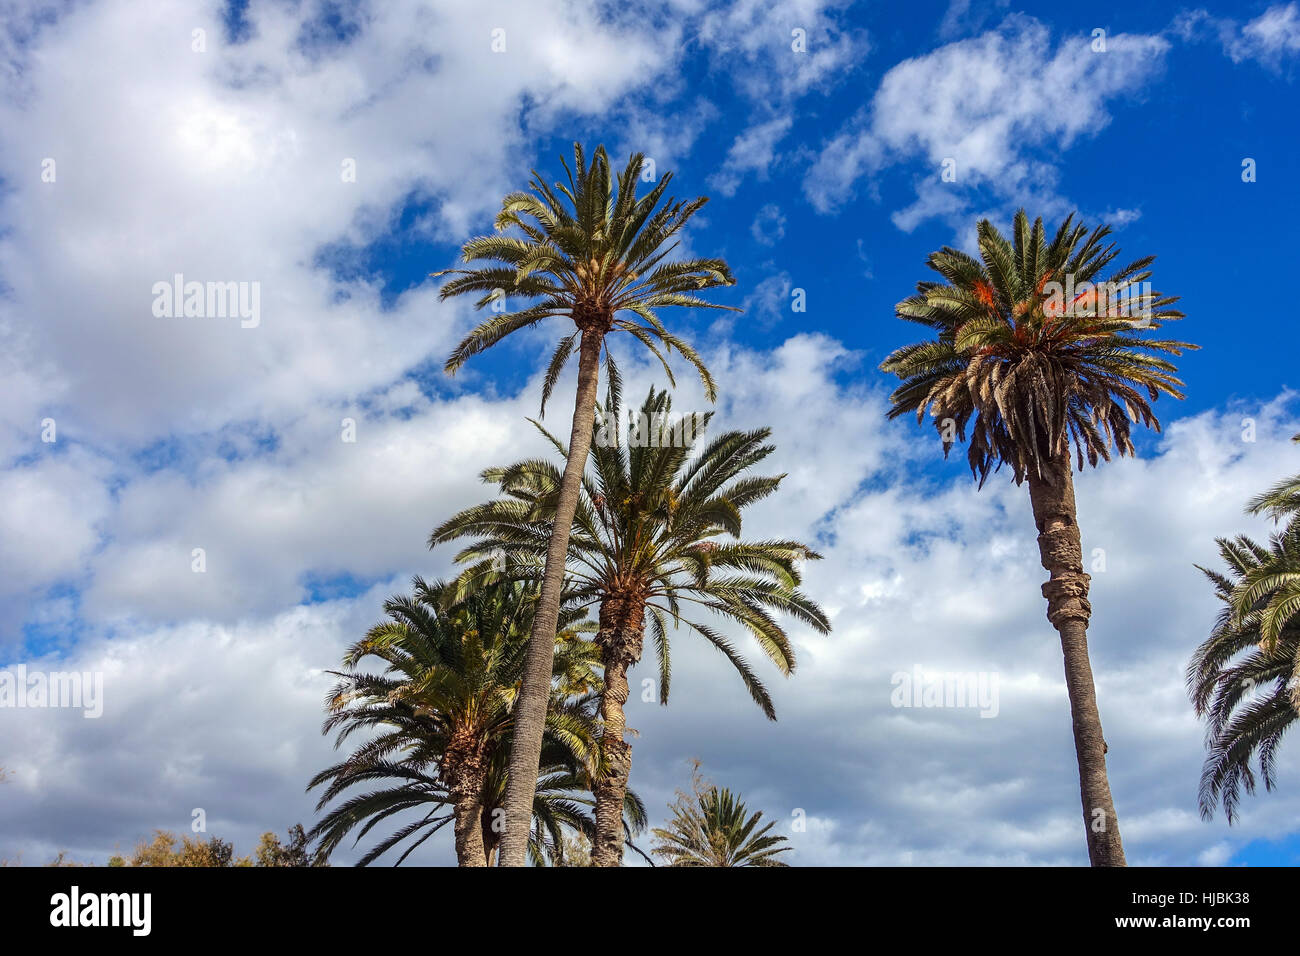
[[217, 155]]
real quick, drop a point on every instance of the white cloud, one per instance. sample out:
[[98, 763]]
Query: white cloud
[[50, 513], [200, 715], [786, 48], [666, 137], [963, 16], [992, 108], [1270, 39], [318, 505], [229, 164], [908, 574], [753, 151]]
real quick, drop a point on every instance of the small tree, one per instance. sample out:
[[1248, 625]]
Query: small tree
[[193, 852], [270, 852], [709, 827]]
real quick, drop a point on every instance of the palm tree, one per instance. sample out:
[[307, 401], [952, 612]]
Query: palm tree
[[644, 550], [1245, 678], [591, 252], [443, 710], [1032, 370], [709, 828]]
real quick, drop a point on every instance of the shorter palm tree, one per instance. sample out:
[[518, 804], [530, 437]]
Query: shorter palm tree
[[443, 712], [1245, 678], [712, 827]]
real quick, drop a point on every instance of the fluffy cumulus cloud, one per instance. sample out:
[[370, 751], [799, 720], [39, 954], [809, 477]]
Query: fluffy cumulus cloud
[[172, 142], [50, 510], [985, 113], [269, 149], [321, 506], [201, 716]]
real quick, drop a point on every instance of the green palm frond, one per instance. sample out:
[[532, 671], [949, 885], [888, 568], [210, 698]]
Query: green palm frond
[[713, 827], [1020, 373], [453, 662], [591, 252], [658, 523]]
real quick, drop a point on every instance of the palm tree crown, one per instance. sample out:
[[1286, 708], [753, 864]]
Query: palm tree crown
[[441, 715], [1029, 371], [590, 251], [645, 534]]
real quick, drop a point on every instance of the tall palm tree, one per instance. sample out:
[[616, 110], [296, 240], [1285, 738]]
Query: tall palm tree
[[644, 549], [594, 253], [1245, 678], [443, 710], [709, 827], [1032, 368]]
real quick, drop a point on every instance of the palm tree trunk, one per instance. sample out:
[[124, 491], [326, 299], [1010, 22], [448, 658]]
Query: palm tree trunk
[[465, 784], [619, 639], [534, 694], [1052, 497]]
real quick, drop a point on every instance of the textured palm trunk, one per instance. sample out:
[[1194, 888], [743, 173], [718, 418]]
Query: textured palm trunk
[[1066, 590], [534, 694], [619, 639], [463, 769]]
